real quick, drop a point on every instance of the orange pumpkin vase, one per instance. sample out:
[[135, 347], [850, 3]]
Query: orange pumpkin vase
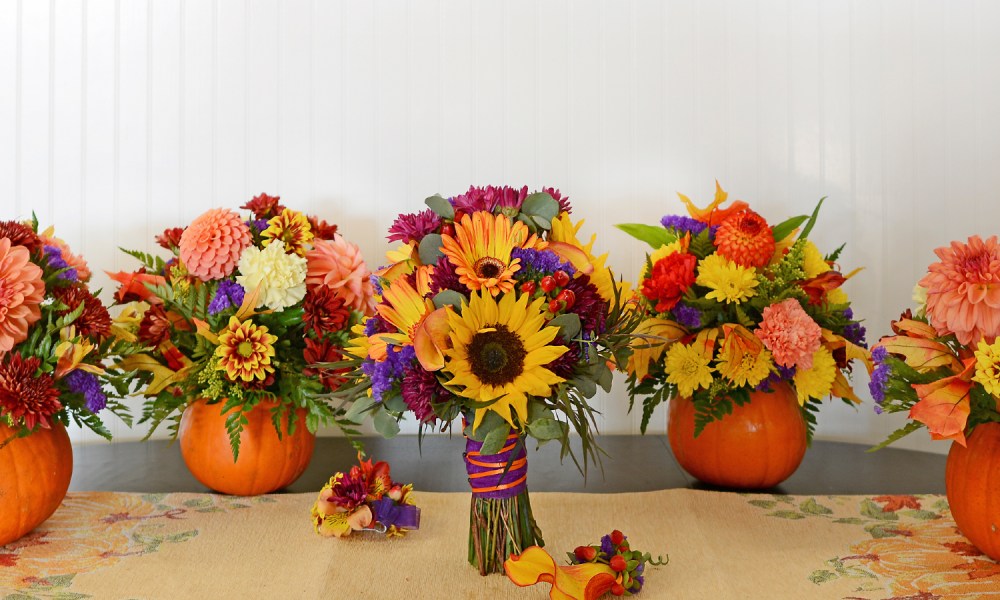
[[972, 484], [266, 463], [758, 446], [34, 475]]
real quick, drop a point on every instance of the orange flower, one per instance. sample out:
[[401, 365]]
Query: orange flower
[[963, 290], [712, 214], [338, 264], [212, 244], [21, 293], [746, 239], [75, 261], [481, 251], [291, 227], [587, 581], [245, 351]]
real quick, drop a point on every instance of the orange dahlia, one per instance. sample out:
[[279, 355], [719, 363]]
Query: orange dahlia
[[746, 239], [211, 245], [963, 290], [21, 293], [338, 264], [245, 351], [481, 251], [291, 227]]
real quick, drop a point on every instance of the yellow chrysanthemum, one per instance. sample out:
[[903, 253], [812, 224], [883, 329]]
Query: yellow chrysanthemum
[[291, 227], [837, 296], [499, 352], [245, 351], [481, 251], [742, 357], [729, 282], [812, 261], [988, 367], [817, 381], [688, 369], [279, 277]]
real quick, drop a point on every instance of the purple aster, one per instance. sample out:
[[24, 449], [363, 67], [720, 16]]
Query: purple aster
[[543, 262], [880, 377], [781, 374], [412, 227], [687, 316], [421, 389], [607, 546], [444, 277], [55, 259], [82, 382], [229, 294], [564, 205]]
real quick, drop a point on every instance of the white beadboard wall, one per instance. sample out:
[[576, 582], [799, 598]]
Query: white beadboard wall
[[119, 118]]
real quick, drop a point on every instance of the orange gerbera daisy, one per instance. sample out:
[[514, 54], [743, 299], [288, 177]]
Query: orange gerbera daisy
[[245, 351], [291, 227], [746, 239], [481, 251]]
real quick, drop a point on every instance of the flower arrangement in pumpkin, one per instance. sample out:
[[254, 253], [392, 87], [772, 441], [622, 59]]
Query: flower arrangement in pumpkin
[[943, 362], [732, 305], [240, 310], [365, 499], [57, 340]]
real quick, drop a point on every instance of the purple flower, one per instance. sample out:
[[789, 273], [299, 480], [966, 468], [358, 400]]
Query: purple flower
[[543, 262], [687, 316], [420, 390], [387, 374], [782, 374], [412, 227], [376, 324], [376, 282], [855, 332], [682, 224], [82, 382], [229, 294], [589, 306], [490, 199], [880, 377], [444, 277], [55, 259], [258, 224], [607, 546]]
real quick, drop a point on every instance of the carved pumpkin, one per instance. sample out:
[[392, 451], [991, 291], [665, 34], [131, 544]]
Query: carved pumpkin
[[34, 476], [972, 484], [758, 446], [265, 464]]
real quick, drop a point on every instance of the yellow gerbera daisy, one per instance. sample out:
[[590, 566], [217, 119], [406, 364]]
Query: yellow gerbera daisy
[[817, 381], [416, 321], [481, 251], [499, 352], [291, 227], [988, 367], [729, 282], [687, 368], [245, 351], [742, 357]]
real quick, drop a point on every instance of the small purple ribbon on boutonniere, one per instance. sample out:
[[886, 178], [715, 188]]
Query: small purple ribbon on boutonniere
[[365, 499]]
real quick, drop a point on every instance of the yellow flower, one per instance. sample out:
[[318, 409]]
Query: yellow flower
[[292, 228], [417, 322], [730, 282], [564, 242], [688, 369], [817, 381], [481, 251], [742, 357], [812, 261], [988, 367], [245, 351], [281, 277], [499, 352]]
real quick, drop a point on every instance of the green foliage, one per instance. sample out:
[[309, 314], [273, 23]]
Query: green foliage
[[655, 236]]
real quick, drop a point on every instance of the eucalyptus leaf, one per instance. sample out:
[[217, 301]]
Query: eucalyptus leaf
[[542, 222], [395, 404], [491, 421], [605, 378], [430, 248], [653, 235], [385, 424], [586, 386], [357, 412], [441, 206], [537, 410], [540, 204], [545, 429], [494, 441], [448, 298], [568, 324]]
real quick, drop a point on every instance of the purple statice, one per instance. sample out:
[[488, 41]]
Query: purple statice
[[607, 546], [229, 294], [781, 373], [257, 225], [682, 224], [544, 262], [854, 332], [376, 324], [880, 377], [387, 374], [82, 382], [687, 316], [412, 227], [638, 579], [55, 259], [376, 282]]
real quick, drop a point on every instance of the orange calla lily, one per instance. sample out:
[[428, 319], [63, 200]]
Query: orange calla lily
[[944, 407], [431, 339], [574, 255], [587, 581], [712, 214], [134, 284]]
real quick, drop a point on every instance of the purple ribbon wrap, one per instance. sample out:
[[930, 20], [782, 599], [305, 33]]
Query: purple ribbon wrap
[[517, 453], [403, 516]]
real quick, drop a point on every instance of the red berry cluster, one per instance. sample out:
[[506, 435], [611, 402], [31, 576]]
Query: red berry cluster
[[627, 564], [553, 287]]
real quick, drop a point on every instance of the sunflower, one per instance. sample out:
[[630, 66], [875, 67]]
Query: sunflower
[[481, 251], [245, 351], [498, 352], [291, 227]]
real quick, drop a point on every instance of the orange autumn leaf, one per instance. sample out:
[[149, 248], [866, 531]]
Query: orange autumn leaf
[[842, 388], [980, 569], [963, 548], [943, 407], [135, 284], [921, 354], [896, 502], [818, 287], [712, 214], [914, 328], [587, 581], [651, 339]]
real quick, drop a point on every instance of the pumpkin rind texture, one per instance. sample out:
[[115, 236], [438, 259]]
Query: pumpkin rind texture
[[266, 463], [972, 484], [758, 446], [35, 472]]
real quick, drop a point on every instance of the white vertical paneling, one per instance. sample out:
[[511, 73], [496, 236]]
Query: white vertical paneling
[[124, 118]]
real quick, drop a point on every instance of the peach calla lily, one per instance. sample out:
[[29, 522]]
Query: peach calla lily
[[586, 581]]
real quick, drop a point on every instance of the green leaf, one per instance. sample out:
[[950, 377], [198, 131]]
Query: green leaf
[[494, 441], [540, 204], [870, 509], [822, 576], [923, 515], [651, 234], [568, 324], [546, 429], [542, 222], [763, 503], [812, 220], [441, 206], [491, 420], [786, 227], [395, 404], [605, 378], [537, 410], [811, 507], [430, 249], [587, 387], [882, 530], [449, 298], [385, 424], [358, 411], [850, 521], [787, 514]]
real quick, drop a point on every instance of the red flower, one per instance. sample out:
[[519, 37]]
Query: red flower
[[264, 206], [94, 321], [25, 395], [670, 278], [746, 239], [133, 286], [170, 239], [321, 229], [323, 351], [20, 234], [154, 329], [325, 311]]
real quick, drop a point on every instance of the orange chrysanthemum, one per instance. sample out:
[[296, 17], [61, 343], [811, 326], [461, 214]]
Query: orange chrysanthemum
[[746, 239], [21, 293], [481, 251], [963, 290], [245, 351], [338, 264], [211, 245], [291, 227]]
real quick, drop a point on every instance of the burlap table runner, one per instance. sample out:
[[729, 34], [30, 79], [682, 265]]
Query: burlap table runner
[[116, 545]]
